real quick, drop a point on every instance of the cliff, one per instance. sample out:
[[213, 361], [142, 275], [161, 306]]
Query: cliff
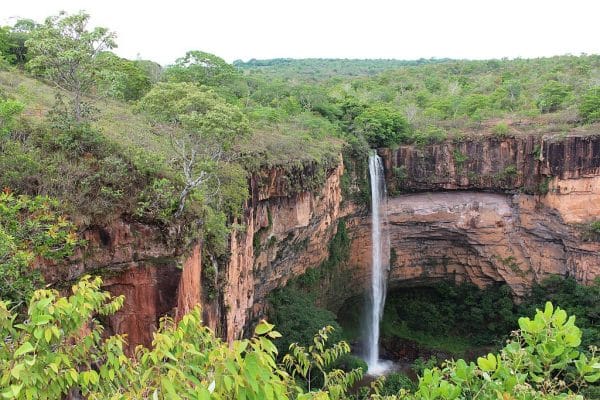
[[489, 210], [508, 212]]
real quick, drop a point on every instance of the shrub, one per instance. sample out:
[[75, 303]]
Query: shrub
[[590, 105], [30, 229], [297, 318], [395, 382], [552, 97], [9, 109], [578, 300], [595, 226], [382, 126], [541, 361], [430, 135], [158, 201], [500, 130]]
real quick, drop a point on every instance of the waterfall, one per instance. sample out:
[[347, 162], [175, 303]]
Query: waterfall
[[380, 264]]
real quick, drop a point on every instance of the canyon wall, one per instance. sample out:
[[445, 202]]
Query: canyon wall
[[482, 238], [485, 210], [287, 232]]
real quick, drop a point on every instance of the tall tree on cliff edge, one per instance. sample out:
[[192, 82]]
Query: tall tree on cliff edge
[[65, 52]]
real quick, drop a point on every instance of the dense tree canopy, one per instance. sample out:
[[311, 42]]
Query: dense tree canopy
[[201, 68]]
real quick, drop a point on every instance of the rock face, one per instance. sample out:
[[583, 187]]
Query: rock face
[[488, 210], [521, 163], [135, 261], [478, 237], [502, 212], [286, 233]]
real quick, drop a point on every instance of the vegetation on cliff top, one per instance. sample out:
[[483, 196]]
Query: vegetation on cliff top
[[103, 150]]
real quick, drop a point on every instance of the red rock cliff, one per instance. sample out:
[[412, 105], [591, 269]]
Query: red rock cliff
[[486, 211]]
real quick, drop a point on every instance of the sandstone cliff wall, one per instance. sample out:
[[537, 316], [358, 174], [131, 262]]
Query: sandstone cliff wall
[[491, 210], [482, 238], [286, 233]]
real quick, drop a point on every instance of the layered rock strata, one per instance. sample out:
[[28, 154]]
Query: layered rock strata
[[490, 210]]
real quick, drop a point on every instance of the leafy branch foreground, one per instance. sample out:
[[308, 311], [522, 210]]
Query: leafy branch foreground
[[59, 350]]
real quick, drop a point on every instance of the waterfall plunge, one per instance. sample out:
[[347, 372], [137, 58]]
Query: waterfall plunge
[[380, 264]]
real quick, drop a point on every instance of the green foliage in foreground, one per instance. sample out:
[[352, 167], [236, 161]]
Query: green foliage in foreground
[[583, 301], [30, 228], [60, 350], [297, 317]]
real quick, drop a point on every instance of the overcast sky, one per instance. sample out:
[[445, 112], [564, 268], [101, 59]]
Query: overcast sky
[[404, 29]]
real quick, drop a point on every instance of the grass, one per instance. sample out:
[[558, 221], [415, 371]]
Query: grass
[[280, 144], [115, 119]]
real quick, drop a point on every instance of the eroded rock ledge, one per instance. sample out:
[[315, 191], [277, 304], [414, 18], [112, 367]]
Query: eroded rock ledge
[[478, 237]]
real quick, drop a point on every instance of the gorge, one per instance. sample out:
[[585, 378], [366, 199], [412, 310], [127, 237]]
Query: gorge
[[514, 210], [320, 228]]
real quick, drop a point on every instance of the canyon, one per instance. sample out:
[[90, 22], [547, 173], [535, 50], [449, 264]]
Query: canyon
[[484, 210]]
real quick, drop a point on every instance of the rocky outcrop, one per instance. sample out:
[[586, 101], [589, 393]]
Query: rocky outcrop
[[148, 292], [483, 238], [136, 262], [575, 199], [286, 234], [523, 163]]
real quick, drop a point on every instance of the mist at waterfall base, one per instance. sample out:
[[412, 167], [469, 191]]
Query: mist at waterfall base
[[380, 265]]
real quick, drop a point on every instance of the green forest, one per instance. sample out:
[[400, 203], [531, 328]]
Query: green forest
[[87, 136]]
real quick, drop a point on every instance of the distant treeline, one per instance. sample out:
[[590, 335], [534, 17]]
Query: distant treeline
[[323, 68]]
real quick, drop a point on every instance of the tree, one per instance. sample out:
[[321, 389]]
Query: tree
[[590, 105], [553, 95], [121, 78], [204, 129], [382, 126], [64, 51], [201, 68], [5, 45], [17, 37]]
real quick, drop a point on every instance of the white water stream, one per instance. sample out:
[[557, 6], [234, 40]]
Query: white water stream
[[380, 265]]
